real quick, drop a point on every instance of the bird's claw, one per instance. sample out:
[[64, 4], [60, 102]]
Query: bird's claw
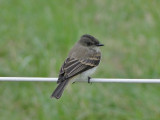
[[73, 82], [89, 80]]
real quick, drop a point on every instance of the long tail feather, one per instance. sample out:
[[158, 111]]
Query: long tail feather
[[59, 90]]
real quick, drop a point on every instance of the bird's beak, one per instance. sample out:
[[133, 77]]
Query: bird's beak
[[99, 45]]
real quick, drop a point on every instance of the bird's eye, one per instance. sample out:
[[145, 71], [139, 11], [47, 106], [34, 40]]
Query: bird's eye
[[89, 43]]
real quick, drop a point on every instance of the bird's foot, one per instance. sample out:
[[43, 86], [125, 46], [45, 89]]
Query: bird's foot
[[73, 82], [89, 80]]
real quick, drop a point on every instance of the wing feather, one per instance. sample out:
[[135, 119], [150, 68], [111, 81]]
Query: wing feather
[[73, 66]]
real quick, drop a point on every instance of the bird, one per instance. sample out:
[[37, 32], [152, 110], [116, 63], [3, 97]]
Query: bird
[[81, 62]]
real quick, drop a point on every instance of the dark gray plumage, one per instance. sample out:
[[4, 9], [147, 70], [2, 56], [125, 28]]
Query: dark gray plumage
[[84, 56]]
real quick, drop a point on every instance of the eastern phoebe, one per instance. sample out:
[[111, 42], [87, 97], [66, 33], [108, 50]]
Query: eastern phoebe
[[81, 62]]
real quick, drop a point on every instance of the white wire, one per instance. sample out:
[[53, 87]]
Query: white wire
[[112, 80]]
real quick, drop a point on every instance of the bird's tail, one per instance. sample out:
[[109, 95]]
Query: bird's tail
[[59, 90]]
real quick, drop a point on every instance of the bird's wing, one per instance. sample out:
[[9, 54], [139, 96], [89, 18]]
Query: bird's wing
[[73, 66]]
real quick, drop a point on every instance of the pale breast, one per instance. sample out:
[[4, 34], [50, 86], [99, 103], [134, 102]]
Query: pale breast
[[83, 76], [88, 72]]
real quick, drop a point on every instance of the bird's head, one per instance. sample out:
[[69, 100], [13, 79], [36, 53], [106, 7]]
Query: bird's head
[[89, 41]]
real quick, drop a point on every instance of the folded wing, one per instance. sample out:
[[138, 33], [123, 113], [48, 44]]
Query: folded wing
[[73, 66]]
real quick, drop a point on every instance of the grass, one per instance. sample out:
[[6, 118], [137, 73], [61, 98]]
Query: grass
[[35, 37]]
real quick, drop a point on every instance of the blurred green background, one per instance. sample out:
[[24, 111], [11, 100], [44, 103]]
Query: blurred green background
[[35, 37]]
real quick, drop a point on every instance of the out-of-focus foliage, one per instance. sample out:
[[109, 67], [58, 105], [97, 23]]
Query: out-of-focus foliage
[[35, 37]]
